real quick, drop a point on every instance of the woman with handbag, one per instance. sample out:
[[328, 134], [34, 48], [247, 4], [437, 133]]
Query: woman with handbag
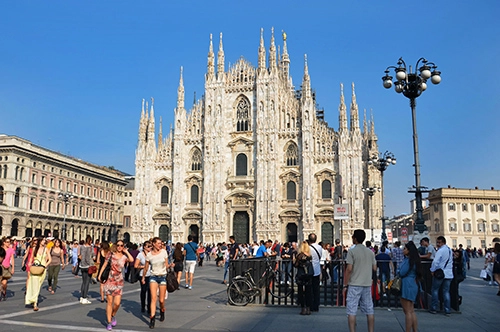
[[302, 262], [410, 272], [140, 262], [57, 260], [39, 260], [158, 260], [113, 287], [178, 261], [7, 266]]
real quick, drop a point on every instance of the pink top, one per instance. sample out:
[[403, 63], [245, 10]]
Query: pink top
[[9, 253]]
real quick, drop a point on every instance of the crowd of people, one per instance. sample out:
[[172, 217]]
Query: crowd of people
[[355, 266]]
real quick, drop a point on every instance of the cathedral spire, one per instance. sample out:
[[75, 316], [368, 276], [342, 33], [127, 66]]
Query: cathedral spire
[[220, 59], [180, 92], [211, 59], [285, 59], [306, 81], [272, 52], [342, 111], [365, 124], [143, 125], [354, 111], [372, 124], [262, 51], [160, 135]]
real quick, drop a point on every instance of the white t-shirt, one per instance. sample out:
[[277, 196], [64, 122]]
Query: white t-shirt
[[157, 262], [142, 260]]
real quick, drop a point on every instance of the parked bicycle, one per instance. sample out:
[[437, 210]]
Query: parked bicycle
[[243, 289]]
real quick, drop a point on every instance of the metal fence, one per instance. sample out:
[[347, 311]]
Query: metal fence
[[332, 281]]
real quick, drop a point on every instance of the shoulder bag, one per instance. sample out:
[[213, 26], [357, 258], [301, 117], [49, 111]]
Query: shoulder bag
[[172, 283], [439, 273], [105, 272], [305, 270], [37, 268]]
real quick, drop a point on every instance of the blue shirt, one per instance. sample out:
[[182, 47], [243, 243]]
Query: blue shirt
[[190, 249], [261, 252]]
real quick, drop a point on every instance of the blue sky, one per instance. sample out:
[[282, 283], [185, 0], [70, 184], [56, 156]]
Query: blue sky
[[73, 73]]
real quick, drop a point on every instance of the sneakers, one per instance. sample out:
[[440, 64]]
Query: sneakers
[[113, 321], [190, 287], [109, 327], [187, 286], [447, 314], [433, 312], [84, 301]]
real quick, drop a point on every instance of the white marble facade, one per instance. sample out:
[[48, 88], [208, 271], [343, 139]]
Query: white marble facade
[[252, 158]]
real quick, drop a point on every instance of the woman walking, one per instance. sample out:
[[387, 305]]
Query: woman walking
[[74, 258], [158, 260], [56, 261], [140, 262], [7, 266], [178, 261], [40, 256], [411, 272], [101, 257], [113, 287], [85, 253], [304, 284]]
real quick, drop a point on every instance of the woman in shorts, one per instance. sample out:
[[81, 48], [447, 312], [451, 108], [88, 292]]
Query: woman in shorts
[[113, 287], [158, 260]]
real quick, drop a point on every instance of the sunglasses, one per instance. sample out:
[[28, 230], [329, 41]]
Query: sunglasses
[[148, 246], [119, 245]]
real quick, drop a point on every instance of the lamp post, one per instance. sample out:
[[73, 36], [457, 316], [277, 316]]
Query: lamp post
[[412, 84], [370, 191], [381, 162], [65, 197]]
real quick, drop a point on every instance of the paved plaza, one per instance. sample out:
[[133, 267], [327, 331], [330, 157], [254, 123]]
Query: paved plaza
[[205, 308]]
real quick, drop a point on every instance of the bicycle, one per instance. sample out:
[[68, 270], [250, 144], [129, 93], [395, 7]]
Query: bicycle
[[243, 289]]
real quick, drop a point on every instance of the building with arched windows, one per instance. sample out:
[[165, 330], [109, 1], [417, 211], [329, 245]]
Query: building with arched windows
[[43, 191], [253, 158]]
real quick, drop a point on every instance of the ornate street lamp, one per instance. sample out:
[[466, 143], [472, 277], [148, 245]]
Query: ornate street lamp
[[371, 191], [65, 197], [412, 84], [381, 162]]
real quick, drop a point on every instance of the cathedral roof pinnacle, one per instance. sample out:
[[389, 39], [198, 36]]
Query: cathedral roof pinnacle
[[262, 51], [180, 92], [211, 58], [342, 111], [354, 111], [272, 51], [220, 57]]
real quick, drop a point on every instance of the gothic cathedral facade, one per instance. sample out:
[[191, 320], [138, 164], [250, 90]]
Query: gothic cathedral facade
[[253, 158]]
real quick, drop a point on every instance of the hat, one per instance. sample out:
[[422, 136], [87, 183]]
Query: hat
[[50, 238]]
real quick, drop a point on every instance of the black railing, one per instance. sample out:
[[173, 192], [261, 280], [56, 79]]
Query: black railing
[[332, 281]]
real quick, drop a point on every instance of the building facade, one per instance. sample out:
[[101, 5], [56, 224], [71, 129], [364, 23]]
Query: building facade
[[253, 158], [464, 216], [43, 192]]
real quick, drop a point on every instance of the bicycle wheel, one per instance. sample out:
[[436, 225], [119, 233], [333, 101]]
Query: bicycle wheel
[[238, 293], [280, 285]]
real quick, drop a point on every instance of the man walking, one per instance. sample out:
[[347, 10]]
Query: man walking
[[443, 261], [191, 250], [358, 281], [316, 251], [233, 254]]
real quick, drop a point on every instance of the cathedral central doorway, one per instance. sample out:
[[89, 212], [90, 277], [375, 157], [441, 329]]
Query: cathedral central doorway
[[291, 232], [241, 227], [194, 231], [163, 233], [327, 233]]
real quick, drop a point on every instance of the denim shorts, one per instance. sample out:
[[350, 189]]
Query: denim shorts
[[161, 280]]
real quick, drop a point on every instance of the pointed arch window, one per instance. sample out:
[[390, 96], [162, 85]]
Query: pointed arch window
[[195, 194], [292, 155], [164, 195], [326, 189], [17, 196], [196, 160], [291, 191], [243, 115], [241, 165]]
